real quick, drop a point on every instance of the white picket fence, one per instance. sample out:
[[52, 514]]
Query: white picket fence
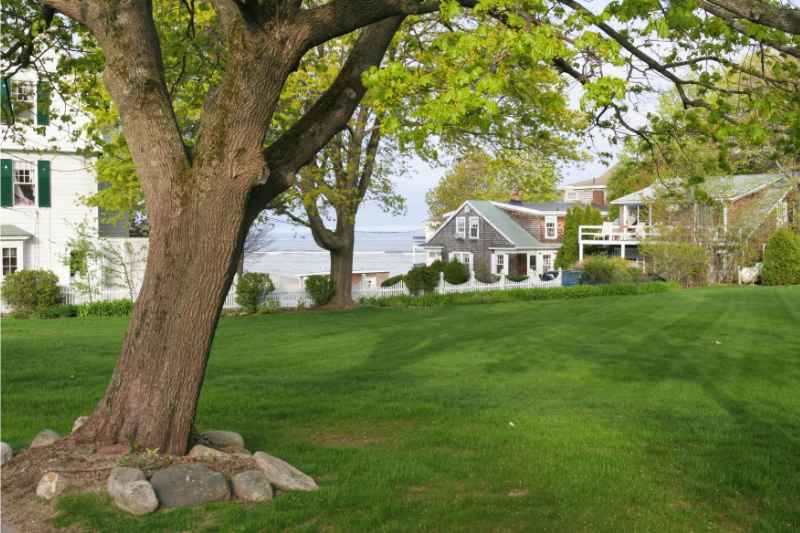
[[297, 298]]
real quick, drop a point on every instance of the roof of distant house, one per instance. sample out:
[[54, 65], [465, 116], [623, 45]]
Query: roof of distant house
[[597, 181], [718, 187]]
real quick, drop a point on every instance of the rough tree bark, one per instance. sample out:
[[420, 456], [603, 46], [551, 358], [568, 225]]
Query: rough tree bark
[[202, 202]]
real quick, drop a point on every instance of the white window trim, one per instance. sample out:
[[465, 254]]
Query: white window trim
[[476, 221], [431, 256], [19, 246], [24, 165], [549, 260], [494, 264], [551, 219], [462, 223], [460, 256]]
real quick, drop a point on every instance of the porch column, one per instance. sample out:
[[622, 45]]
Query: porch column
[[580, 251], [622, 250]]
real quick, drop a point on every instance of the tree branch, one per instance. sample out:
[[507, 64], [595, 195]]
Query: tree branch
[[339, 17], [328, 116], [771, 15]]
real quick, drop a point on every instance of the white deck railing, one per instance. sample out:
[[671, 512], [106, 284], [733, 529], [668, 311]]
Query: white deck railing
[[613, 233]]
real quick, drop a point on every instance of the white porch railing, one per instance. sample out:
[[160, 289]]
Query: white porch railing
[[613, 233]]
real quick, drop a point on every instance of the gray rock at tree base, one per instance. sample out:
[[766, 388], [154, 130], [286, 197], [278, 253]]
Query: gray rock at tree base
[[51, 485], [81, 420], [252, 486], [188, 485], [222, 439], [6, 453], [120, 477], [46, 437], [204, 452], [282, 474], [137, 497]]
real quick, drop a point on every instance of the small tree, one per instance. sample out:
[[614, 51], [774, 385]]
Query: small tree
[[86, 262], [251, 290], [124, 264], [28, 291], [320, 288], [456, 272], [575, 218], [782, 259]]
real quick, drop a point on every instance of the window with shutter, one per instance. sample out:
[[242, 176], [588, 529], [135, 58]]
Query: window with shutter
[[43, 168], [42, 103], [6, 184]]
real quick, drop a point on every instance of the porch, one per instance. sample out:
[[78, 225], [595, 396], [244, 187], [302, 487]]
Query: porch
[[619, 238], [522, 263]]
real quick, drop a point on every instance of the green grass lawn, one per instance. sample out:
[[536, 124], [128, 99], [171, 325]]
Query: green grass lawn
[[667, 412]]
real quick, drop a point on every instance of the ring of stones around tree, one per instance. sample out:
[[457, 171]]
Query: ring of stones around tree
[[218, 467]]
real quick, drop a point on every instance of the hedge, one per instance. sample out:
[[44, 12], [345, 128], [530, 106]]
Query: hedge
[[106, 308], [489, 297], [782, 259]]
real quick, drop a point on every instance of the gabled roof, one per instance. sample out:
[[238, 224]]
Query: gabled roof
[[500, 221], [506, 225], [718, 187]]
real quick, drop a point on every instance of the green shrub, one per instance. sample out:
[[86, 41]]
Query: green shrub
[[517, 277], [782, 259], [484, 275], [270, 305], [29, 291], [320, 288], [57, 311], [106, 308], [601, 269], [576, 216], [499, 296], [422, 279], [391, 282], [682, 262], [456, 272], [251, 289]]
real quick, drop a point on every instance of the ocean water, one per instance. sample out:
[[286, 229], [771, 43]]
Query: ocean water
[[287, 256]]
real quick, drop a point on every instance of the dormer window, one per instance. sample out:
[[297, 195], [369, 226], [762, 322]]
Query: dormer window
[[474, 227], [550, 227], [461, 227]]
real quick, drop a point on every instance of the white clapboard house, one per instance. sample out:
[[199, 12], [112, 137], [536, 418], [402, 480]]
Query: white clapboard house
[[44, 179]]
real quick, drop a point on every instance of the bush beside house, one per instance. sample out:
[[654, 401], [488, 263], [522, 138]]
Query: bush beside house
[[31, 291], [251, 289], [683, 262], [782, 259], [602, 270], [320, 288]]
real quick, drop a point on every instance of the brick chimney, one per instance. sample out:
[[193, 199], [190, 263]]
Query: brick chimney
[[515, 198]]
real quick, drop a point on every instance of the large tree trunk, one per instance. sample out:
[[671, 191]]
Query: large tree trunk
[[153, 394], [342, 270]]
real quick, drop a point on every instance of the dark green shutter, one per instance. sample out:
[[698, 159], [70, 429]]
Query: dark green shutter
[[6, 185], [5, 102], [42, 103], [43, 172]]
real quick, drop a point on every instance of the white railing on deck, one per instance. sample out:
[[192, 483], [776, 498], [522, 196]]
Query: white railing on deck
[[612, 233]]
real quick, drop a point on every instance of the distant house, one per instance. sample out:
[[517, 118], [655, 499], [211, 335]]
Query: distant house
[[591, 191], [752, 205], [510, 238]]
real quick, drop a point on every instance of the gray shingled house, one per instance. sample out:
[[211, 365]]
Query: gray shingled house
[[511, 238]]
